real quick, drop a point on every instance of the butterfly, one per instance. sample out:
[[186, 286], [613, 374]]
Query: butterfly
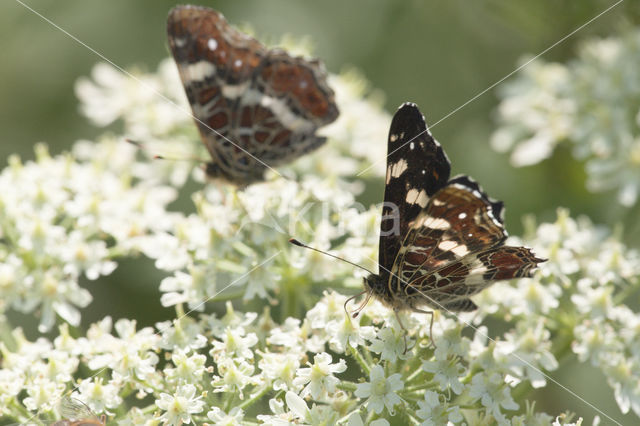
[[441, 240], [255, 107], [75, 413]]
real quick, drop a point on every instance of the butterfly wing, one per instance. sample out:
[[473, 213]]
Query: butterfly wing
[[206, 50], [255, 108], [288, 101], [417, 168], [457, 281], [454, 248], [77, 413]]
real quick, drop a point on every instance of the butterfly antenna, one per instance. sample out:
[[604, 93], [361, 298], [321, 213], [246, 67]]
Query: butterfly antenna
[[143, 147], [299, 244], [355, 313]]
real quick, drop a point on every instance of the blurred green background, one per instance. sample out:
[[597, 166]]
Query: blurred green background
[[439, 54]]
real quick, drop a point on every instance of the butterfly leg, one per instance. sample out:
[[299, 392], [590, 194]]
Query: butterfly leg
[[420, 311], [405, 332]]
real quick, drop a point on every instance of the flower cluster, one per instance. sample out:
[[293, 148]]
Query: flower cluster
[[63, 219], [79, 214], [591, 102], [576, 301]]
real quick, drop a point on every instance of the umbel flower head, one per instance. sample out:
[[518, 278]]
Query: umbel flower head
[[294, 356], [592, 103]]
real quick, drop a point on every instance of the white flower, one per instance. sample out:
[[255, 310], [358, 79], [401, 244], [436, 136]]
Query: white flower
[[594, 341], [450, 341], [591, 103], [527, 351], [59, 295], [288, 335], [347, 332], [319, 376], [234, 376], [560, 421], [182, 334], [391, 344], [493, 393], [232, 318], [297, 406], [59, 366], [356, 420], [435, 412], [329, 308], [592, 299], [447, 373], [88, 256], [280, 369], [187, 367], [219, 417], [235, 343], [279, 417], [43, 394], [179, 407], [380, 391], [622, 375], [170, 255], [11, 384], [317, 415], [98, 396]]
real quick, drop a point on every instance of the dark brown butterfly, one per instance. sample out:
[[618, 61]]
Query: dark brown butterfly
[[441, 239], [256, 108]]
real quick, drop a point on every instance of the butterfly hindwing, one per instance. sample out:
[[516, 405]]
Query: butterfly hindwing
[[254, 107], [417, 168], [294, 102], [458, 219], [454, 249]]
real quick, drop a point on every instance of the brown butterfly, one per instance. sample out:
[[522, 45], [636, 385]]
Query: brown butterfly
[[255, 108], [441, 240]]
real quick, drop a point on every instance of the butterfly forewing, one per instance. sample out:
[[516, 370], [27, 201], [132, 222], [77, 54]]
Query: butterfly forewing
[[254, 107], [417, 167]]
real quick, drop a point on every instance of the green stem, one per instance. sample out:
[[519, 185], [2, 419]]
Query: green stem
[[229, 403], [290, 300], [368, 357], [413, 419], [255, 398], [623, 294], [347, 386], [179, 310], [562, 345], [415, 374], [418, 387], [25, 414], [149, 409], [226, 297], [521, 391], [360, 360]]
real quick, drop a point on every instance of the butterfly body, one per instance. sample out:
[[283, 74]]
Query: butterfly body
[[255, 107], [441, 239]]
